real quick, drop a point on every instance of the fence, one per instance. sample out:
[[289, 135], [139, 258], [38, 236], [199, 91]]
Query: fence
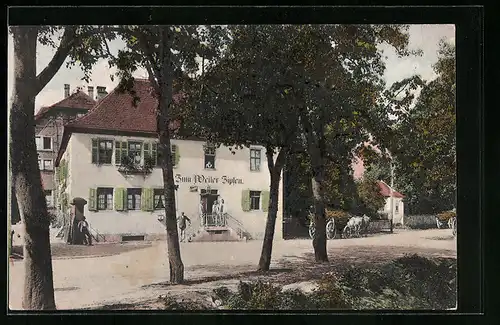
[[379, 226], [420, 221]]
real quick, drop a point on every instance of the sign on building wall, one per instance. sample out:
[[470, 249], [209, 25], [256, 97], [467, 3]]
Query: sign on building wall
[[202, 179]]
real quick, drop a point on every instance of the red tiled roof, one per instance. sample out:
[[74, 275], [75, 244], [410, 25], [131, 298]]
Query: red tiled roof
[[385, 190], [116, 111], [78, 99]]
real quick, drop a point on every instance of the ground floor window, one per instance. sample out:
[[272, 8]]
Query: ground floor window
[[49, 198], [159, 199], [254, 200], [134, 198], [105, 198]]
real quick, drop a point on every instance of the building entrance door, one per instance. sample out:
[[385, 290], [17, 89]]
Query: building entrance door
[[208, 198]]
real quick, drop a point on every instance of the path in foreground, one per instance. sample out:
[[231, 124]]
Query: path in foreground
[[142, 274]]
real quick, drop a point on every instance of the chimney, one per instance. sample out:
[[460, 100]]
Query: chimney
[[101, 92], [66, 90], [91, 92]]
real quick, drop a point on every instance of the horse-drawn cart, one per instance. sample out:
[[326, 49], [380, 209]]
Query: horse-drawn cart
[[336, 220]]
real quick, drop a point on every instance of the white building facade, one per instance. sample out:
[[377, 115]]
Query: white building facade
[[123, 203]]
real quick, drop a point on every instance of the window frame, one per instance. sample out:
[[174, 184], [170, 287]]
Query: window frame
[[256, 159], [51, 204], [99, 160], [207, 148], [135, 199], [106, 191], [254, 196], [396, 208], [51, 164], [41, 141], [141, 150], [158, 192]]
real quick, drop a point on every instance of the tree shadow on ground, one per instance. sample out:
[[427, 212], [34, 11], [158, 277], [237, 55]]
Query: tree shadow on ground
[[241, 275]]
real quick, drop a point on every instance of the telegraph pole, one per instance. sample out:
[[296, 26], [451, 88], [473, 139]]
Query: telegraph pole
[[392, 199]]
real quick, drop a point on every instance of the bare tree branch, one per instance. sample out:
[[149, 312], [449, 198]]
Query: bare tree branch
[[68, 40]]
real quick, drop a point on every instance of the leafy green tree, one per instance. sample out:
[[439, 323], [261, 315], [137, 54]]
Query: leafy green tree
[[83, 46], [340, 69], [245, 100], [425, 149], [168, 53], [328, 78]]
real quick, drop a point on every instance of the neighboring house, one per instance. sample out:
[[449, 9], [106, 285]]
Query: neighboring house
[[397, 203], [102, 159], [49, 126]]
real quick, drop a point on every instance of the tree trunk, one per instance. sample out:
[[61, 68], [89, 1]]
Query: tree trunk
[[163, 121], [38, 286], [319, 241], [275, 172], [315, 148]]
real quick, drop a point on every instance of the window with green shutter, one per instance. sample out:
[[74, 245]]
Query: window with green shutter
[[265, 201], [245, 200]]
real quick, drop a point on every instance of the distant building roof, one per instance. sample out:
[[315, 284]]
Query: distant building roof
[[77, 100], [385, 190]]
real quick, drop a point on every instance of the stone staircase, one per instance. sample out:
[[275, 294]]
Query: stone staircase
[[210, 229]]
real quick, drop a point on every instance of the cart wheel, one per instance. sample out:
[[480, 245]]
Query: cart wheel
[[330, 230], [312, 231], [347, 233]]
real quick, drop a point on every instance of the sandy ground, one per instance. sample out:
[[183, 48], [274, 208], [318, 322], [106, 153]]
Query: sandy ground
[[142, 274]]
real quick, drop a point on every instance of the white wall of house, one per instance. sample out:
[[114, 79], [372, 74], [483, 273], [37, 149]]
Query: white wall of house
[[398, 209], [83, 175]]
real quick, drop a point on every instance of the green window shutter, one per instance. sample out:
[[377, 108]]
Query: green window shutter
[[95, 151], [119, 199], [151, 199], [58, 173], [92, 199], [176, 154], [154, 152], [245, 200], [124, 148], [265, 201], [118, 153], [147, 150], [144, 195], [147, 199]]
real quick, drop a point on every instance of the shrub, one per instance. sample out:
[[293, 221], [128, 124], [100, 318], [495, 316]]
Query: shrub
[[329, 294], [260, 295], [445, 216], [420, 221], [409, 282], [341, 217], [170, 303]]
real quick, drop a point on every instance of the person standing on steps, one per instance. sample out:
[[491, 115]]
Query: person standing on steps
[[84, 230], [182, 225]]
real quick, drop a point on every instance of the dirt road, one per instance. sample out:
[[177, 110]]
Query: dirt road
[[143, 274]]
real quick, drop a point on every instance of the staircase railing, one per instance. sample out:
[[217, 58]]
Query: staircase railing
[[95, 234], [214, 220], [235, 224]]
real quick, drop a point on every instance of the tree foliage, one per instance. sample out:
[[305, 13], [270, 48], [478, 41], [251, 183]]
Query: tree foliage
[[425, 149]]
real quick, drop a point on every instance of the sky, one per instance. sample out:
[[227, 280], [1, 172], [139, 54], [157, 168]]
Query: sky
[[424, 37]]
